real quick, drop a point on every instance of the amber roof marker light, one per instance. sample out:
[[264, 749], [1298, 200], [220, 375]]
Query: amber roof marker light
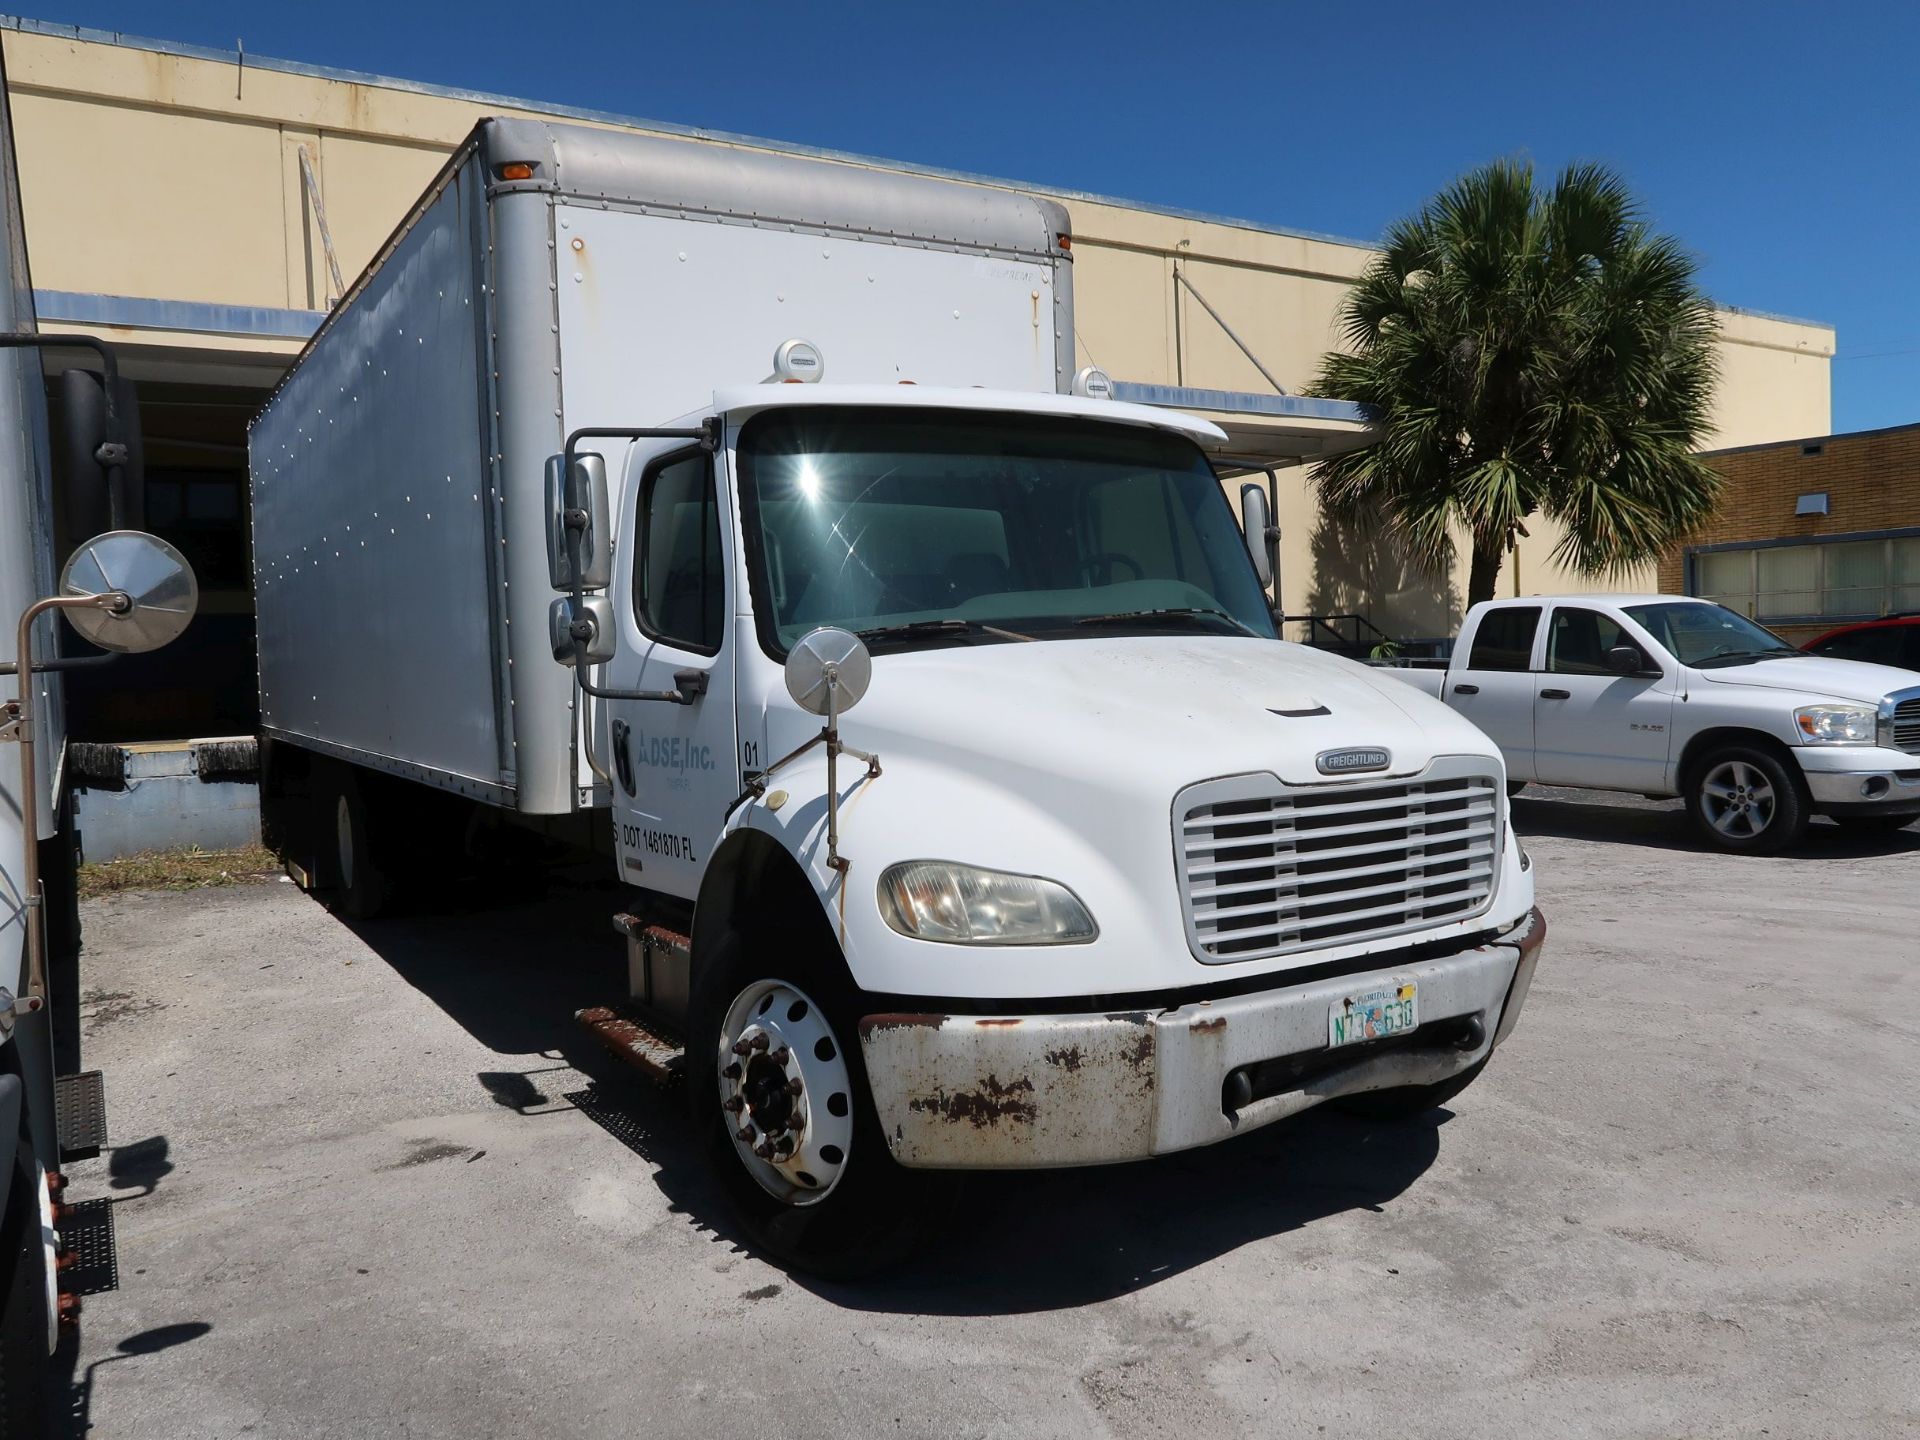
[[516, 170]]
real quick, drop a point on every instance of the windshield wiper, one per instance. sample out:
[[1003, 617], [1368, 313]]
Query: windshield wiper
[[1733, 657], [1171, 612], [915, 629]]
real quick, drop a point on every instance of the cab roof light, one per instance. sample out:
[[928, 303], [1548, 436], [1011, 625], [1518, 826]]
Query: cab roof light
[[1063, 240], [516, 170]]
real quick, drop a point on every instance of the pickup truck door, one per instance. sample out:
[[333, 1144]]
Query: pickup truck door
[[673, 766], [1591, 725], [1494, 685]]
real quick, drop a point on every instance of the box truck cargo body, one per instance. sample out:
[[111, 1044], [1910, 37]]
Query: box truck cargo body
[[617, 283], [1097, 869]]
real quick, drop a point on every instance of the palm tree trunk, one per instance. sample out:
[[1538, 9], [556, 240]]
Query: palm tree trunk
[[1487, 557]]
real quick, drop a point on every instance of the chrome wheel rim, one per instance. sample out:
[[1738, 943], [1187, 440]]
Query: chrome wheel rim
[[1738, 799], [343, 840], [785, 1093]]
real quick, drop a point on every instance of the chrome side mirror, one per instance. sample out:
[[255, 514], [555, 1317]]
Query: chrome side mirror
[[144, 587], [827, 672], [590, 623], [577, 524], [1255, 521]]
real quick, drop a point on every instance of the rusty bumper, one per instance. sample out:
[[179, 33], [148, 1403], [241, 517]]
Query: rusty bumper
[[1034, 1091]]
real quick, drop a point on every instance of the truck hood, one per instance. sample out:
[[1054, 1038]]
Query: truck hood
[[1816, 677], [1152, 713]]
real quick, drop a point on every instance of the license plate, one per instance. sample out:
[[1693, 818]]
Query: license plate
[[1373, 1014]]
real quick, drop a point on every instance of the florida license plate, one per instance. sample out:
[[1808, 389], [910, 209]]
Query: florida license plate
[[1373, 1014]]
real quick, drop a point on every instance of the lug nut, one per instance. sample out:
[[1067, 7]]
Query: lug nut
[[781, 1056], [764, 1149], [743, 1134], [69, 1310], [732, 1072], [758, 1042], [794, 1086], [56, 1182], [733, 1104], [66, 1259], [796, 1121]]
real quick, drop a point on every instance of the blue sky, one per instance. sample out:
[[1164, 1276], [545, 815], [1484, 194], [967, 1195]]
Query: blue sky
[[1776, 141]]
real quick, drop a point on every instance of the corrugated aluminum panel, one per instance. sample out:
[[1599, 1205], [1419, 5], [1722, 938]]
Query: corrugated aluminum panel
[[371, 535]]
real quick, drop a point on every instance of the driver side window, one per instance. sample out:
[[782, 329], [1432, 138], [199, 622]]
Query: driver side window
[[1580, 639], [679, 581]]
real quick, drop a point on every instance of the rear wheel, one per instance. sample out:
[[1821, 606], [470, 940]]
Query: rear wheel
[[345, 842], [783, 1116], [1747, 800], [1409, 1102]]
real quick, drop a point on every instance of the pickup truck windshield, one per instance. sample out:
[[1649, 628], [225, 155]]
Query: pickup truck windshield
[[1709, 635], [931, 527]]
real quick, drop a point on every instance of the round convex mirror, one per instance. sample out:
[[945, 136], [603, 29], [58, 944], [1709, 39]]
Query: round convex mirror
[[828, 654], [155, 578]]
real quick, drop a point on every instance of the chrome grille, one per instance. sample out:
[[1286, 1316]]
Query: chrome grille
[[1267, 871], [1906, 726]]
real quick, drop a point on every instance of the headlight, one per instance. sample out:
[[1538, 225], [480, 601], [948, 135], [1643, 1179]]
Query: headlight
[[965, 905], [1836, 724]]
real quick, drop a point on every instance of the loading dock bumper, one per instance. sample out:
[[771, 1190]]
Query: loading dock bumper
[[1035, 1091]]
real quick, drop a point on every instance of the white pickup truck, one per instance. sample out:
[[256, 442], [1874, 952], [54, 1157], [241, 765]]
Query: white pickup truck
[[1663, 695]]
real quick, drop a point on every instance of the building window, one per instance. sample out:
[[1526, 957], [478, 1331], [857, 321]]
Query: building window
[[1823, 580]]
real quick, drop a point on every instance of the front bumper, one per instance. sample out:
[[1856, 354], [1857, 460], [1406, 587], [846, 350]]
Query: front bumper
[[1035, 1091], [1876, 789]]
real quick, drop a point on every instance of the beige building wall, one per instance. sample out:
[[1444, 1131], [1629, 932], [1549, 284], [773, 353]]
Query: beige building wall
[[178, 177]]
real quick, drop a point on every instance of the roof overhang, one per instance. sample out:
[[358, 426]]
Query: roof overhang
[[1263, 432]]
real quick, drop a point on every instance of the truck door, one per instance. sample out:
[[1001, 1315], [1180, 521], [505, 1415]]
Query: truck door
[[673, 766], [1495, 684], [1592, 726]]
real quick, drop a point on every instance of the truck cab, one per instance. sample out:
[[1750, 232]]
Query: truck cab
[[1667, 695], [1119, 872]]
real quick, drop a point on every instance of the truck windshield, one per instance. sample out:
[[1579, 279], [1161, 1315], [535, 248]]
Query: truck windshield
[[1708, 635], [924, 527]]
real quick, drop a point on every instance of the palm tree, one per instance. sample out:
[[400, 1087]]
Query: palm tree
[[1527, 351]]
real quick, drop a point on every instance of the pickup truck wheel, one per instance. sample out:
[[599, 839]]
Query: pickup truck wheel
[[783, 1116], [25, 1322], [345, 845], [1747, 800]]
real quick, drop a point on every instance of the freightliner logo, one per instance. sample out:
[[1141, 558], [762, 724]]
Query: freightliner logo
[[1345, 762]]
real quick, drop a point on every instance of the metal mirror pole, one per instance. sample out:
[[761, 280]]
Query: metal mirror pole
[[119, 603]]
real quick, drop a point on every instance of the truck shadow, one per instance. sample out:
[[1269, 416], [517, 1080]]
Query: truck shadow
[[512, 973], [1663, 825], [1025, 1242]]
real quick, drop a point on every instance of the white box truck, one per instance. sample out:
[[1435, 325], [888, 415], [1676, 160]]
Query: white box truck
[[1097, 869]]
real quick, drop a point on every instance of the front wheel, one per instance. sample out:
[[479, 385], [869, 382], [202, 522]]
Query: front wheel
[[26, 1322], [1748, 801], [783, 1116]]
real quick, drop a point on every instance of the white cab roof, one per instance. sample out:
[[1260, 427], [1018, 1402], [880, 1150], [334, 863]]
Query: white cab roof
[[737, 402]]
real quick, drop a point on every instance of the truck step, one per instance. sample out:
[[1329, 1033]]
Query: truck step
[[80, 1114], [644, 1041]]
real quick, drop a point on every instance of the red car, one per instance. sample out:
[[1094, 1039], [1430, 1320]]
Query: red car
[[1894, 640]]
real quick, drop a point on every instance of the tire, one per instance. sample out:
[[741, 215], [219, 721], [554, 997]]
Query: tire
[[25, 1359], [1747, 800], [1868, 827], [347, 851], [1409, 1102], [834, 1204]]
